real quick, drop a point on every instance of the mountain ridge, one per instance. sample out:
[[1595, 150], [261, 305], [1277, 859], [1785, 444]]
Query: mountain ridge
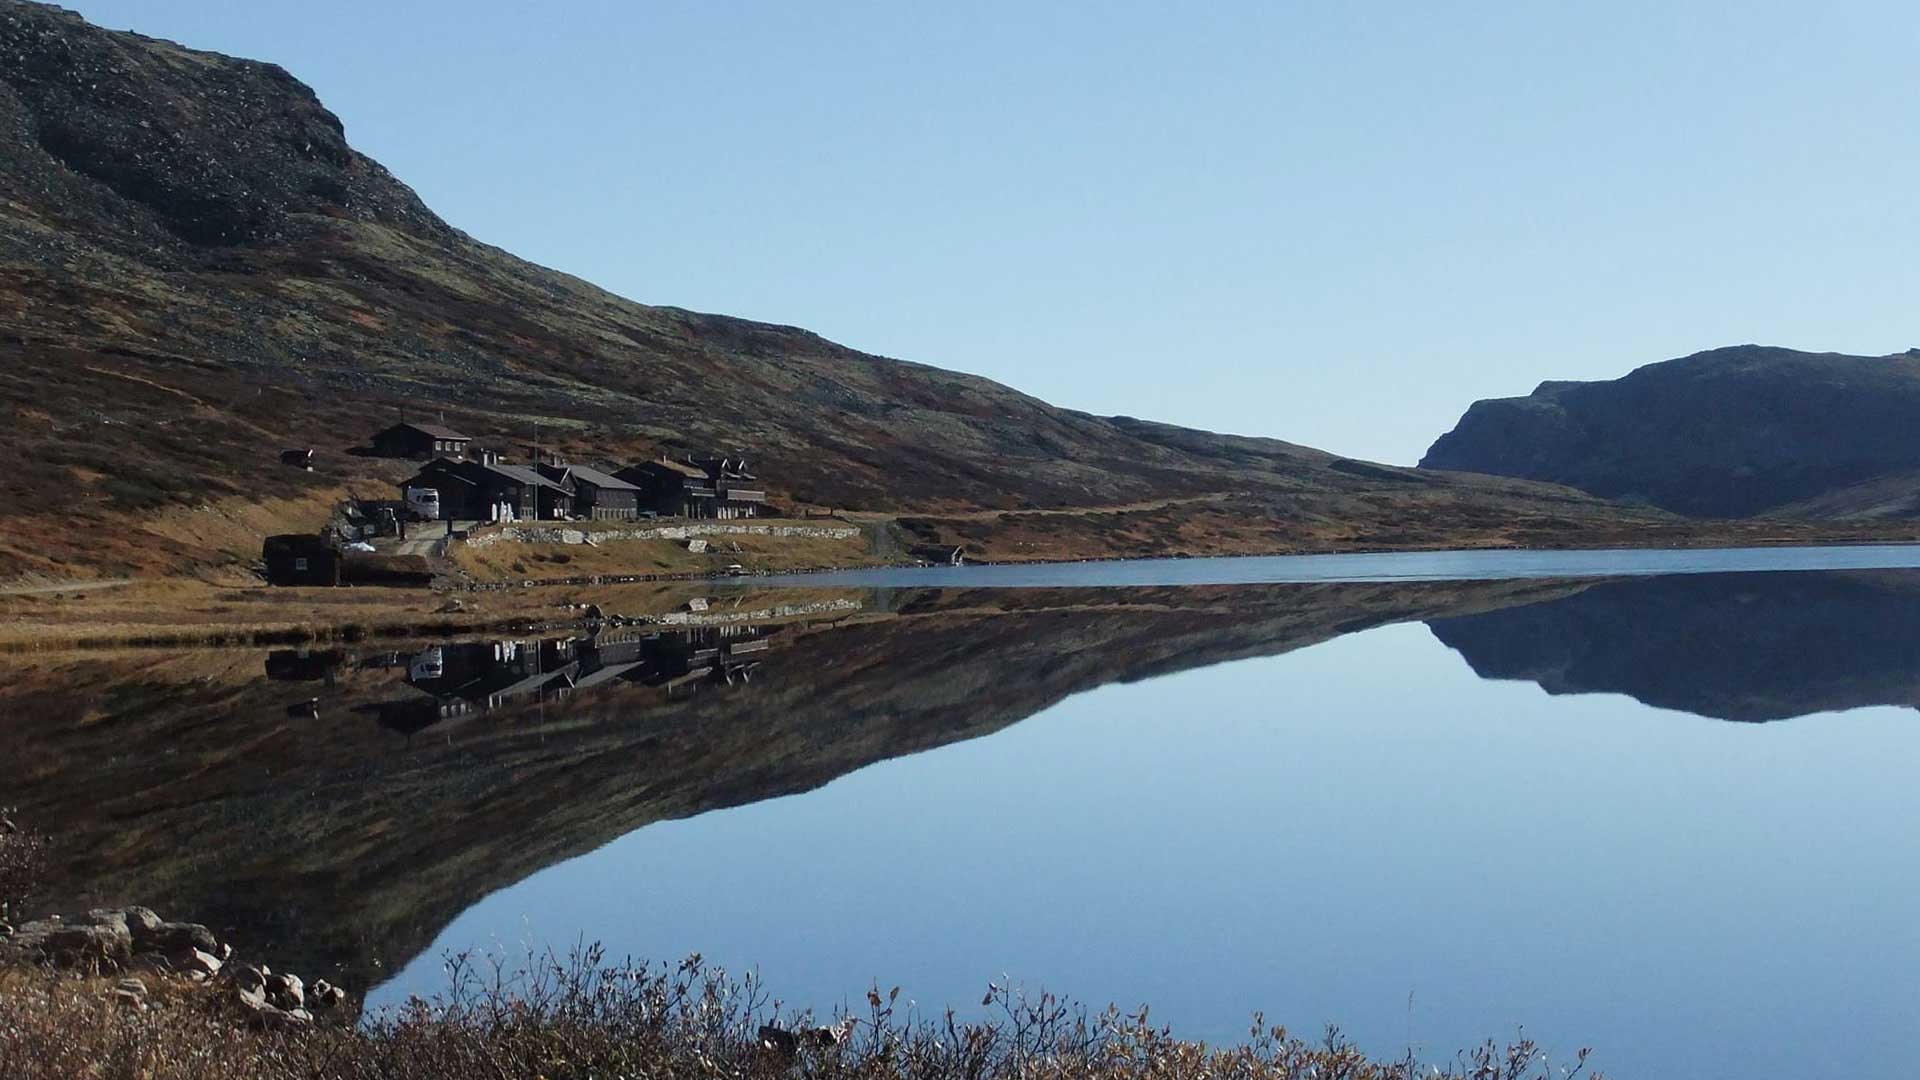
[[1733, 432]]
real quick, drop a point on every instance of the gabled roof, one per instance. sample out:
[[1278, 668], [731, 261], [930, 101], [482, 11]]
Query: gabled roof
[[668, 465], [600, 480], [521, 474], [436, 431]]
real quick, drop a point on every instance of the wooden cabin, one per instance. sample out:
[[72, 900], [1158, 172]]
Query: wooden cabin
[[491, 491], [596, 495], [697, 487], [421, 442]]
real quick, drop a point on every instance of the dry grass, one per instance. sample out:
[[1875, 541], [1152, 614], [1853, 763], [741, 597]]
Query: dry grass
[[1321, 523], [611, 558], [23, 863], [581, 1018], [189, 611]]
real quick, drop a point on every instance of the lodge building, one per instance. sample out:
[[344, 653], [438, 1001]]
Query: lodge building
[[484, 488]]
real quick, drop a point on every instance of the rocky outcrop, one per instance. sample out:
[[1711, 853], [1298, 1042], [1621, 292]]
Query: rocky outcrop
[[1729, 433]]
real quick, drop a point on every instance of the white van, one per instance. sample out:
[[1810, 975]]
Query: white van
[[424, 503]]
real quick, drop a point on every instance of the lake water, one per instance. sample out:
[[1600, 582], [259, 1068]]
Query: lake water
[[1668, 817], [1380, 566]]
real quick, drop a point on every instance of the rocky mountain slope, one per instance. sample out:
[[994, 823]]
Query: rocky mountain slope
[[197, 270], [1732, 432]]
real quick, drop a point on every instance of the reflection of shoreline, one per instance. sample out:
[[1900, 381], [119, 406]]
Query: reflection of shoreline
[[253, 816], [1742, 647]]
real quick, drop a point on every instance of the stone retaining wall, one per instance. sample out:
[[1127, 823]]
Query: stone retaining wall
[[560, 534], [725, 618]]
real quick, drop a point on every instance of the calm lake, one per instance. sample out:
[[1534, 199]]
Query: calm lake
[[1669, 817]]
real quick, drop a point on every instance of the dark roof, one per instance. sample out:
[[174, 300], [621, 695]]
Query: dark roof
[[669, 465], [600, 480], [436, 431], [521, 474]]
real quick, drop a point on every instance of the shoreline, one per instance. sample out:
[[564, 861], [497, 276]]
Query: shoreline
[[171, 621]]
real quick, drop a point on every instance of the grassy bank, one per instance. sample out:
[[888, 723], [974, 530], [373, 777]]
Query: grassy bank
[[515, 561], [582, 1018]]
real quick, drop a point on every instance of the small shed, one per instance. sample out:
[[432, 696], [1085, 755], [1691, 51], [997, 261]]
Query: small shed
[[300, 559]]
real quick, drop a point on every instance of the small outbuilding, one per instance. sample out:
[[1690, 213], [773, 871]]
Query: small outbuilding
[[300, 559]]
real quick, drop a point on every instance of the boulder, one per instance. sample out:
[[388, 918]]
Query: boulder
[[286, 991], [174, 937], [190, 960], [113, 918], [254, 1007], [131, 993], [83, 945], [325, 995], [247, 978], [141, 921]]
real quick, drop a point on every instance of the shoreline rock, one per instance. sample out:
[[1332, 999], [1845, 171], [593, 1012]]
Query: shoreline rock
[[137, 943]]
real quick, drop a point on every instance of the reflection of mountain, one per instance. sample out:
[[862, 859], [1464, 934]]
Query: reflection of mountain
[[339, 835], [1730, 646]]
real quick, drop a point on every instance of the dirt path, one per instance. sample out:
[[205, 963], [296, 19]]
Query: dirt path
[[1061, 511], [64, 587]]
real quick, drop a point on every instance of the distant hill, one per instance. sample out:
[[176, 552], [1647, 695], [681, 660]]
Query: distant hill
[[1732, 432]]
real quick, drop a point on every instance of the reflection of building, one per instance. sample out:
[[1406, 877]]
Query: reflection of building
[[493, 673], [303, 665], [676, 659], [463, 678]]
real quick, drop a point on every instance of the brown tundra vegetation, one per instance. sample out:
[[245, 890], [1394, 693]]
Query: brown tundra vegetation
[[580, 1018]]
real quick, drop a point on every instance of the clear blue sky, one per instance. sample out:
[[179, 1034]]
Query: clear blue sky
[[1327, 222]]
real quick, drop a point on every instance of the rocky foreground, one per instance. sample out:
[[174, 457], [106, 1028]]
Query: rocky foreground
[[137, 944]]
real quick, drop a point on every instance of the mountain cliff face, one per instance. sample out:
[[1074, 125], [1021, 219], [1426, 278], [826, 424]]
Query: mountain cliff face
[[1729, 433], [198, 270]]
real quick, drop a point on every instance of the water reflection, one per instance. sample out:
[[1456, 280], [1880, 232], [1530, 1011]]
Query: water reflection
[[1746, 647], [470, 678], [341, 807]]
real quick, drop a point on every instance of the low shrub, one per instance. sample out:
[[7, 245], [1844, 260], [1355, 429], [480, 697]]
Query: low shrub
[[23, 863], [583, 1019]]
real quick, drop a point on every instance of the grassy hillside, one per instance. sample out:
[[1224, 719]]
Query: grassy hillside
[[198, 270]]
